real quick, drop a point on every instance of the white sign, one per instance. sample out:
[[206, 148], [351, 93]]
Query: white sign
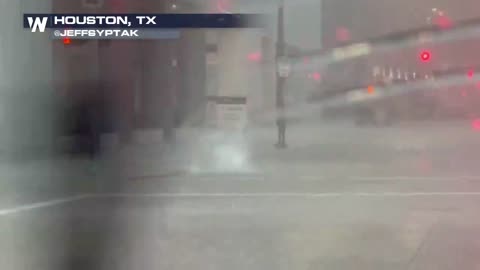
[[284, 67], [352, 51], [227, 112], [232, 116]]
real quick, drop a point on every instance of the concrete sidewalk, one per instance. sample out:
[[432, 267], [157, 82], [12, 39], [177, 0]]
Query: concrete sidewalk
[[320, 151]]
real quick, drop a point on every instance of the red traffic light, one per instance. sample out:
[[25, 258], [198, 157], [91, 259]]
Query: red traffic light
[[74, 42], [425, 56], [255, 57], [342, 34], [476, 124], [470, 73], [371, 89]]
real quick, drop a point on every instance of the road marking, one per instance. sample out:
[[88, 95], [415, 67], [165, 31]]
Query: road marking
[[213, 195], [200, 176], [282, 194], [273, 177], [432, 178], [29, 207]]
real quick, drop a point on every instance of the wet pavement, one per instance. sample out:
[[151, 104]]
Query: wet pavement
[[239, 231], [320, 204]]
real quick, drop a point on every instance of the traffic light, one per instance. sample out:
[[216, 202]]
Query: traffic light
[[425, 56], [68, 42], [255, 57], [470, 73], [342, 34], [371, 89], [443, 22], [316, 76], [476, 124]]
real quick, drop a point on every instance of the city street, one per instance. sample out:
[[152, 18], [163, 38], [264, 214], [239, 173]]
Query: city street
[[340, 197], [239, 135]]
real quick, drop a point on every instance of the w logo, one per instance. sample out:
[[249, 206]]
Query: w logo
[[37, 23]]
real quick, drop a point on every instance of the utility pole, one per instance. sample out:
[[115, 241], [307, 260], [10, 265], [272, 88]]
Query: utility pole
[[280, 91], [172, 86]]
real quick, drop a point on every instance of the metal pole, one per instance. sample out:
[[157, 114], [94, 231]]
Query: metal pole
[[280, 91], [172, 83]]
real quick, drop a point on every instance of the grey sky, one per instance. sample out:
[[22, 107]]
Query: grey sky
[[302, 18], [303, 23]]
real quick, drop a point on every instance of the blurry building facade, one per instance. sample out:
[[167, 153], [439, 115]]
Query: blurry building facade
[[147, 80], [155, 83]]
